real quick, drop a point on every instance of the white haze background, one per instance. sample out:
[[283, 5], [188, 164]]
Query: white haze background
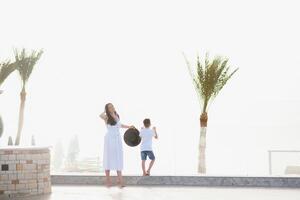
[[130, 53]]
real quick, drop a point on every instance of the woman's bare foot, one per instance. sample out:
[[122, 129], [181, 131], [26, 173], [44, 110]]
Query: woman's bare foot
[[120, 184], [108, 184]]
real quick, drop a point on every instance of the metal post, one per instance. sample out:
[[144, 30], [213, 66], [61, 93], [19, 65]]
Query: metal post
[[270, 162]]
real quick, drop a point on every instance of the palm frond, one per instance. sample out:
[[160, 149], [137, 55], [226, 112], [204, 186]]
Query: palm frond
[[223, 80], [6, 68], [194, 78], [200, 77], [25, 62], [210, 78]]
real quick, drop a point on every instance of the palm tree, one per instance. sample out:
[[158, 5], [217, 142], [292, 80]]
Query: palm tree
[[25, 63], [6, 68], [209, 79]]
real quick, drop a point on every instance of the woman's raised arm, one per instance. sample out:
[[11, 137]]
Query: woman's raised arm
[[103, 116]]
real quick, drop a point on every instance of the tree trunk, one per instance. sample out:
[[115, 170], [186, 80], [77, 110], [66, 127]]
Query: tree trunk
[[1, 122], [1, 126], [21, 116], [202, 144]]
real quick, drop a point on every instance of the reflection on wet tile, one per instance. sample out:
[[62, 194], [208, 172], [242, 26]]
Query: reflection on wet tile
[[166, 193]]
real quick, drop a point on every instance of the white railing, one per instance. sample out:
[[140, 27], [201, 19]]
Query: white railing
[[270, 152]]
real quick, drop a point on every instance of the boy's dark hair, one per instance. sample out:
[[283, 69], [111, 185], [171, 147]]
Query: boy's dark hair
[[147, 122]]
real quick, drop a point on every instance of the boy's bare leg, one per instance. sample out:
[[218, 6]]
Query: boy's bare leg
[[150, 166], [143, 167], [108, 181], [120, 179]]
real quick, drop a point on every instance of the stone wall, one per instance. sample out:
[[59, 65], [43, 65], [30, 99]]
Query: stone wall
[[24, 171]]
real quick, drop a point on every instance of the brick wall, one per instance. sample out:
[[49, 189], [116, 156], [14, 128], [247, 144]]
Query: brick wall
[[24, 171]]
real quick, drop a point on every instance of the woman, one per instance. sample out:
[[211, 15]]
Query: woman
[[113, 149]]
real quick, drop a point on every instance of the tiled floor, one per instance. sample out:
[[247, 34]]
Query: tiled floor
[[166, 193]]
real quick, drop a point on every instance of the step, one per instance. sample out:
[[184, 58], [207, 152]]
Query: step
[[206, 181]]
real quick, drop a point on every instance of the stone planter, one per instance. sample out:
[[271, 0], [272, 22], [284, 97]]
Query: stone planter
[[24, 171]]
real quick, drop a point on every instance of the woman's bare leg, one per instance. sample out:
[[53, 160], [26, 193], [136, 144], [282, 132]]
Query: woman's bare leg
[[120, 179], [108, 181]]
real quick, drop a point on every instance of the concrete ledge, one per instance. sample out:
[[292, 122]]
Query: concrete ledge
[[205, 181]]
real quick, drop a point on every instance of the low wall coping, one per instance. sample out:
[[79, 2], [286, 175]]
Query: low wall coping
[[24, 148]]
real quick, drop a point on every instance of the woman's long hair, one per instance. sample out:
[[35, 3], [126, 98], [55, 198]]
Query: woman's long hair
[[110, 120]]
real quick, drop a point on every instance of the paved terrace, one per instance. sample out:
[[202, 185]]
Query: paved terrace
[[75, 192]]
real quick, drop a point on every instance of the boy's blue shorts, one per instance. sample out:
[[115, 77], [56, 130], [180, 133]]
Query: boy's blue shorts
[[150, 154]]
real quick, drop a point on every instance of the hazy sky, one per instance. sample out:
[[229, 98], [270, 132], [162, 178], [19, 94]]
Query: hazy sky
[[130, 53]]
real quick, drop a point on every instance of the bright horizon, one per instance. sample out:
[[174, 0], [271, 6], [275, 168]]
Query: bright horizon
[[130, 53]]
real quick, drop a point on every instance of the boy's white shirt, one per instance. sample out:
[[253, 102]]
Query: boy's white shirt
[[146, 134]]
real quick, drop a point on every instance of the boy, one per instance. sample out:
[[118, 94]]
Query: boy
[[146, 135]]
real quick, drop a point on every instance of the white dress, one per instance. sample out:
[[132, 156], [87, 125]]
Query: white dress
[[113, 149]]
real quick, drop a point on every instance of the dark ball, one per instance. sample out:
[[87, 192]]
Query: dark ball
[[132, 137]]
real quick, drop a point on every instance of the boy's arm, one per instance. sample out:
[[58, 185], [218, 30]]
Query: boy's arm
[[155, 133]]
